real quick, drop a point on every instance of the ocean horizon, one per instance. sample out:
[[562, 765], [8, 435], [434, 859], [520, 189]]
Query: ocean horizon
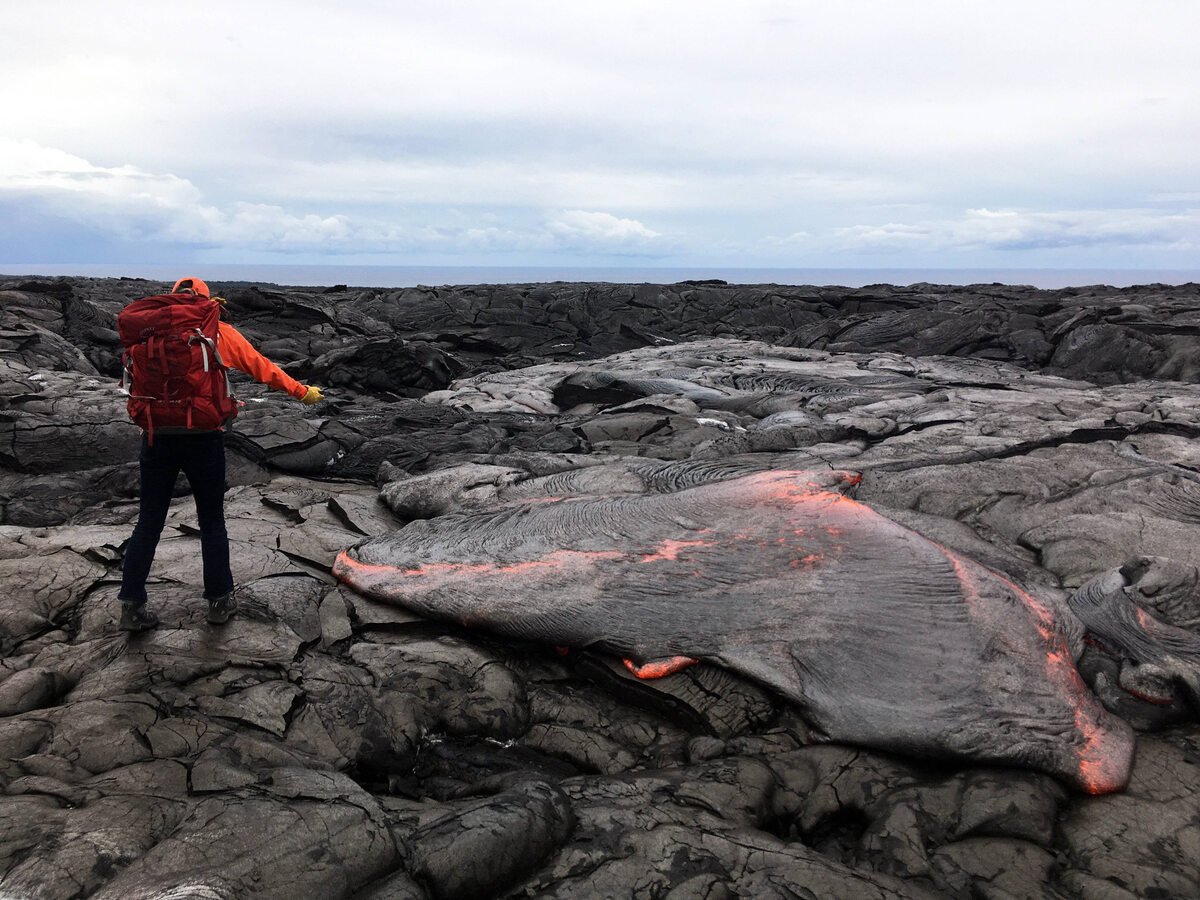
[[437, 276]]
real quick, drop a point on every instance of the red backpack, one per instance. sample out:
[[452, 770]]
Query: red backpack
[[176, 377]]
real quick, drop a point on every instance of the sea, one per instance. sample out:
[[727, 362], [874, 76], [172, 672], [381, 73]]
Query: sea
[[434, 276]]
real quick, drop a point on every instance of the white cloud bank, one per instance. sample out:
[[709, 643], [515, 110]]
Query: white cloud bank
[[579, 228], [129, 203], [1016, 231], [135, 205]]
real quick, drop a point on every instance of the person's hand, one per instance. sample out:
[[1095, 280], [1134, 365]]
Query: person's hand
[[313, 395]]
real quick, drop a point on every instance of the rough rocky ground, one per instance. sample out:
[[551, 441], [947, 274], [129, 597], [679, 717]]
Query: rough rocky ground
[[324, 745]]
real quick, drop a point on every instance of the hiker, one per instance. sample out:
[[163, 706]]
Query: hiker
[[177, 352]]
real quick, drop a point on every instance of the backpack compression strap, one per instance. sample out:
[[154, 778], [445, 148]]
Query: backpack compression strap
[[206, 344]]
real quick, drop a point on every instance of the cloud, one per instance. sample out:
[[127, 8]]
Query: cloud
[[889, 236], [1013, 231], [127, 204], [1024, 230], [579, 228], [132, 204], [795, 239], [263, 225], [74, 186]]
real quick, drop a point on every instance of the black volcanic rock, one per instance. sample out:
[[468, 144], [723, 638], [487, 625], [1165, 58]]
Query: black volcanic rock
[[327, 745], [383, 366]]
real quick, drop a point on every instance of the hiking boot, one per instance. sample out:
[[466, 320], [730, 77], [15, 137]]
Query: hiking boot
[[135, 617], [221, 608]]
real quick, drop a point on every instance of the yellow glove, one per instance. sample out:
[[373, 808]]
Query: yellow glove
[[312, 396]]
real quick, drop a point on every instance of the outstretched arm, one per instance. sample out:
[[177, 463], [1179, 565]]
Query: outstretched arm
[[238, 353]]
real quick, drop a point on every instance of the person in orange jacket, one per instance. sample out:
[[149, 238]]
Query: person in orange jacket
[[200, 455]]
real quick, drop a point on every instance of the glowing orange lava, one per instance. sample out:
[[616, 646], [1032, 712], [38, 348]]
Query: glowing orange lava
[[660, 668], [669, 550], [1098, 772], [807, 563]]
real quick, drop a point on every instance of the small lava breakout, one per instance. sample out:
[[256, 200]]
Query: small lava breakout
[[882, 637]]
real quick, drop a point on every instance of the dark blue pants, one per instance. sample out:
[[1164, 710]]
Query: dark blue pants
[[201, 457]]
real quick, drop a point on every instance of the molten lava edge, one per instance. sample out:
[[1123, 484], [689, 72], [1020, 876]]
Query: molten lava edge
[[797, 532]]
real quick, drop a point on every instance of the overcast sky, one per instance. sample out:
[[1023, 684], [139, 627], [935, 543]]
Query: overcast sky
[[1061, 133]]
